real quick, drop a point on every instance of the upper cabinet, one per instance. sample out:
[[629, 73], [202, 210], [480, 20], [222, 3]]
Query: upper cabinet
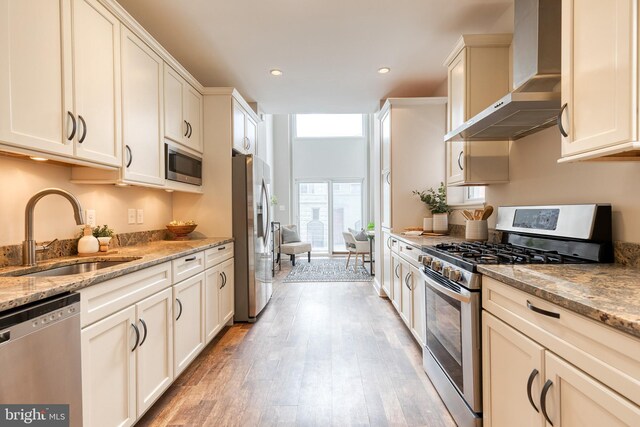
[[182, 111], [478, 73], [60, 79], [599, 73], [245, 130]]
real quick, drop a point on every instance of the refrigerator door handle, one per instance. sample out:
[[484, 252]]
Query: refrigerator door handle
[[268, 212]]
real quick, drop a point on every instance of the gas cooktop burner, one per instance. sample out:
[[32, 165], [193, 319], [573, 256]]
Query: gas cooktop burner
[[503, 253]]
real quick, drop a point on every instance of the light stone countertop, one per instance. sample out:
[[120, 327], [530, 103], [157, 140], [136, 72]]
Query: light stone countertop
[[424, 240], [607, 293], [17, 291]]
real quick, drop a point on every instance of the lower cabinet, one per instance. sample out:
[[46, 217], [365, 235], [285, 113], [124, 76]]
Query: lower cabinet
[[406, 309], [227, 292], [213, 280], [396, 282], [387, 271], [418, 319], [188, 331]]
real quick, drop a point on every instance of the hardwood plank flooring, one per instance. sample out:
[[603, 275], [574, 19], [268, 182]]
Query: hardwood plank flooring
[[321, 354]]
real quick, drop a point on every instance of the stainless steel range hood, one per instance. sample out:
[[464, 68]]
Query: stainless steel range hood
[[535, 103]]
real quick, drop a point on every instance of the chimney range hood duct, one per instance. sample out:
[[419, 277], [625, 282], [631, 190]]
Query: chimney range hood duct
[[535, 102]]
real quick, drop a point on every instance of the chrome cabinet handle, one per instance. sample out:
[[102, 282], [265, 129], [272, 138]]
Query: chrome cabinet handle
[[543, 400], [406, 281], [388, 179], [532, 377], [397, 275], [84, 129], [562, 131], [541, 311], [73, 129], [459, 160], [137, 331], [144, 337], [180, 305], [130, 155], [186, 132], [389, 242]]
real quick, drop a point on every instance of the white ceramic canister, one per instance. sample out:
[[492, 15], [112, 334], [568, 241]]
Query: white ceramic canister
[[476, 230], [440, 223], [87, 243], [427, 224]]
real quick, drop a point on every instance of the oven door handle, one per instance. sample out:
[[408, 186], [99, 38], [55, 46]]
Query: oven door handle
[[464, 297]]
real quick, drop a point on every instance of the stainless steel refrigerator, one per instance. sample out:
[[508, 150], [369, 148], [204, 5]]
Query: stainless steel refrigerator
[[251, 229]]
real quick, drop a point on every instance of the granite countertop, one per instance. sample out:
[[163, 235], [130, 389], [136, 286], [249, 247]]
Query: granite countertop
[[424, 240], [607, 293], [17, 291]]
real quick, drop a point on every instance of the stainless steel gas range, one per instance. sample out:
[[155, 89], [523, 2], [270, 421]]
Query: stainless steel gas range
[[531, 235]]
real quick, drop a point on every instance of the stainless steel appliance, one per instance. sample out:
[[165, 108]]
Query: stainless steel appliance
[[182, 166], [251, 230], [531, 235], [40, 353]]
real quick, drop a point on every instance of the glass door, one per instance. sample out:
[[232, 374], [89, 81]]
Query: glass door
[[346, 211], [313, 214]]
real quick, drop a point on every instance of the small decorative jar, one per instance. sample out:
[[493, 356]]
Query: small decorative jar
[[440, 222]]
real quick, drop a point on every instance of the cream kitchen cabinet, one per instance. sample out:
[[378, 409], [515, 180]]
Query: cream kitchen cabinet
[[60, 80], [213, 280], [411, 132], [599, 74], [563, 369], [142, 112], [188, 337], [396, 282], [219, 289], [245, 130], [478, 74], [387, 270], [182, 111], [227, 292], [406, 309], [418, 315]]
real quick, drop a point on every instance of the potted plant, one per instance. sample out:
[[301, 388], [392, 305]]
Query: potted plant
[[436, 201], [104, 235]]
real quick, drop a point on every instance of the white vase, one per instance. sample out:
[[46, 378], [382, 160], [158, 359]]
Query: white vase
[[440, 223], [427, 224], [88, 245]]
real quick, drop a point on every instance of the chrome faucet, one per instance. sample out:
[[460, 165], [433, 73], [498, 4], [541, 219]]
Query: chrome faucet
[[29, 245]]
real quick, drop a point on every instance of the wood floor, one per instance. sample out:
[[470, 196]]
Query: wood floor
[[321, 354]]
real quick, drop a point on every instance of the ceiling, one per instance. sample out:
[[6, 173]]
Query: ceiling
[[328, 50]]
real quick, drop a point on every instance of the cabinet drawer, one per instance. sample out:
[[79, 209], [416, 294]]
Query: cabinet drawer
[[104, 299], [395, 245], [215, 256], [410, 253], [608, 355], [187, 266]]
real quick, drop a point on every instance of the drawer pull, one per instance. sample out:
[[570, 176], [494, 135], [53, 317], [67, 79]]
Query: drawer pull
[[409, 248], [543, 400], [532, 377], [541, 311], [222, 248], [190, 259], [180, 312]]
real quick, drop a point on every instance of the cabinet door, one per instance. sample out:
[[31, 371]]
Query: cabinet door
[[109, 371], [575, 399], [598, 52], [387, 270], [385, 135], [193, 114], [32, 76], [457, 81], [509, 360], [396, 282], [175, 124], [455, 162], [154, 364], [252, 135], [213, 281], [188, 329], [96, 76], [142, 71], [405, 284], [418, 321], [227, 292], [385, 210], [239, 130]]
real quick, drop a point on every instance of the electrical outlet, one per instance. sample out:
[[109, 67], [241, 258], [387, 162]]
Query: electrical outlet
[[140, 216], [131, 215], [90, 217]]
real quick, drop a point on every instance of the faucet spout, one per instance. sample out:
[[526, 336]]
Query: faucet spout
[[29, 244]]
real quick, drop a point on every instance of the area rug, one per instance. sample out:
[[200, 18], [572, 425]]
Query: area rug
[[327, 270]]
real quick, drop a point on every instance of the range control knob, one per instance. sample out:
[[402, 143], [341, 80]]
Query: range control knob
[[426, 260], [455, 275], [446, 271], [436, 266]]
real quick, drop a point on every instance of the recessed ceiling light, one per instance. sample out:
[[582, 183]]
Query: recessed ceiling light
[[39, 159], [276, 72], [384, 70]]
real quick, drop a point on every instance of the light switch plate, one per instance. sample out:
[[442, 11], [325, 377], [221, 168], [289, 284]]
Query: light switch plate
[[90, 217], [140, 216], [131, 215]]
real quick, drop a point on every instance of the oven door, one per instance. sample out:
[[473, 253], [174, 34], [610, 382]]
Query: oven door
[[182, 166], [453, 334]]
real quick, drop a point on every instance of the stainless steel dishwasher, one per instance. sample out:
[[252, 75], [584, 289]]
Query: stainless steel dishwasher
[[40, 354]]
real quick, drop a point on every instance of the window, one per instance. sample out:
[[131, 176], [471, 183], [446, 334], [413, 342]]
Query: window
[[474, 194], [329, 125]]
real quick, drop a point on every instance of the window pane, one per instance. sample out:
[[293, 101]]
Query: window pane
[[314, 215], [328, 125], [347, 211], [475, 193]]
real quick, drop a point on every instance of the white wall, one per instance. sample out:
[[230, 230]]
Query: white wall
[[330, 157], [281, 168], [54, 215]]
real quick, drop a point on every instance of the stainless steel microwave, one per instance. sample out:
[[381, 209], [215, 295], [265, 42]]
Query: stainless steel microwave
[[182, 166]]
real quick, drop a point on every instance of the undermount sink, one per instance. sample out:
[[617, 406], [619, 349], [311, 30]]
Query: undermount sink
[[67, 270]]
